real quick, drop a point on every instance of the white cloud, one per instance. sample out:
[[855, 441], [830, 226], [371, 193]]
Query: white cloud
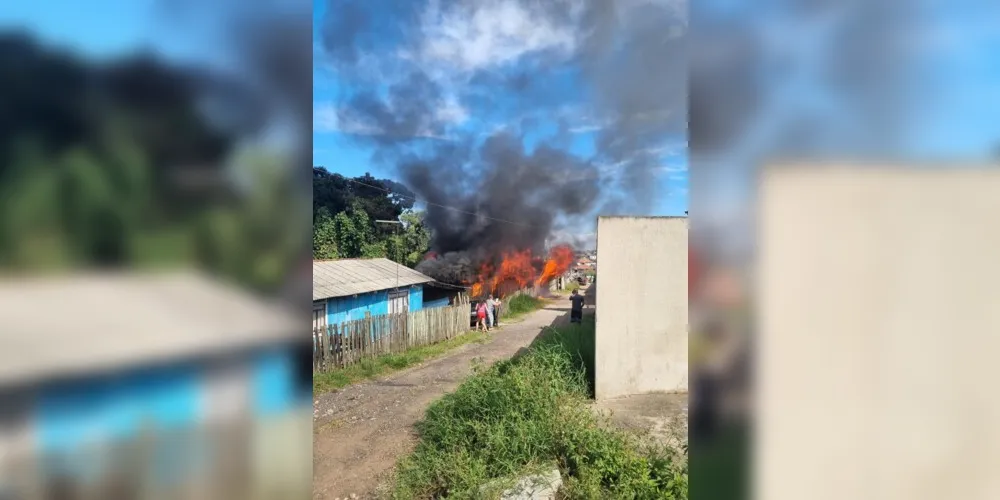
[[583, 129], [325, 118], [452, 112], [490, 34]]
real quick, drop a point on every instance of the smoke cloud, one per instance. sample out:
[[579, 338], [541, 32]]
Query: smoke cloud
[[486, 142], [812, 78], [266, 82]]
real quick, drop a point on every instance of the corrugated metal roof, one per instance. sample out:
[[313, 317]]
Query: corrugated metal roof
[[64, 325], [345, 277]]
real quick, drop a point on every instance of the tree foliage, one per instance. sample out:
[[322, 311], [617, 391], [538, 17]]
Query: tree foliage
[[116, 164], [344, 215]]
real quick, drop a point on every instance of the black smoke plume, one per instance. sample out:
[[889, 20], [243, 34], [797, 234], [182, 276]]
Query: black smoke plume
[[268, 78], [488, 193]]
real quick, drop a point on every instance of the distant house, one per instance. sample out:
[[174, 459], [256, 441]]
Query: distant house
[[349, 289], [96, 360]]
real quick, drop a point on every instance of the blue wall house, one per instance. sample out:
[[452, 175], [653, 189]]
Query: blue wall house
[[439, 294], [89, 363], [348, 289]]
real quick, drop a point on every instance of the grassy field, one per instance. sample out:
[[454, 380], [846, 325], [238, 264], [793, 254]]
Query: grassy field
[[383, 365], [520, 415]]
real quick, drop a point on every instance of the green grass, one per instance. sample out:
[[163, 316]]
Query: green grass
[[383, 365], [578, 341], [520, 306], [520, 414], [573, 285]]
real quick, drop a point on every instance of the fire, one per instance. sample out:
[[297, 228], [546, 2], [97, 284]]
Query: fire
[[519, 269], [430, 255], [560, 259]]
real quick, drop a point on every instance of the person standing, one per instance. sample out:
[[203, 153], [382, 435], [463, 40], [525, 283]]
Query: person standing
[[576, 309], [496, 311], [489, 312], [481, 317]]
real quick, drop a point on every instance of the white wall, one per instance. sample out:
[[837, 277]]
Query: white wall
[[876, 342], [642, 307]]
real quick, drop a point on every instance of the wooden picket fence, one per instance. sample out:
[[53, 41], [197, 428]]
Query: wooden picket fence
[[348, 343]]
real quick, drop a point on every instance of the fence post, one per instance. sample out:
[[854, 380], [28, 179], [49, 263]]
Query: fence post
[[367, 323], [322, 354]]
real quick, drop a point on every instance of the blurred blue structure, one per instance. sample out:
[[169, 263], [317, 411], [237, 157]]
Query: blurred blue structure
[[91, 363], [348, 289]]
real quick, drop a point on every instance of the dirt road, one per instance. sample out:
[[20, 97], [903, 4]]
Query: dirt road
[[361, 431]]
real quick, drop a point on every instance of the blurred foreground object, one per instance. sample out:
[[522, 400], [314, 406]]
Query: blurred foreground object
[[125, 154], [637, 352], [168, 385], [877, 333], [142, 162]]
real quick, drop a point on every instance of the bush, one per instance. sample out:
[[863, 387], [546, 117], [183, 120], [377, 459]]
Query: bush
[[521, 304], [524, 413]]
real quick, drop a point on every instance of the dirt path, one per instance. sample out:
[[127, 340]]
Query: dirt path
[[361, 431]]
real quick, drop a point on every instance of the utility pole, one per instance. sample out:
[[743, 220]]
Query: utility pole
[[400, 225]]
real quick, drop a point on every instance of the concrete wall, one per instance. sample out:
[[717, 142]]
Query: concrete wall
[[876, 338], [642, 307]]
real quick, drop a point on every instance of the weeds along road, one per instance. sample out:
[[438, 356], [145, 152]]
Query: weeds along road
[[362, 430]]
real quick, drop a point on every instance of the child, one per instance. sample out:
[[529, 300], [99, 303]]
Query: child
[[481, 317]]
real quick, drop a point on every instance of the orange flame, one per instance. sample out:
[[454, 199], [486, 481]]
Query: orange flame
[[514, 273], [519, 269], [560, 260]]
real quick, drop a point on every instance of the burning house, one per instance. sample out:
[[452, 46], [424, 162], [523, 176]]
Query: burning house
[[502, 274], [494, 201]]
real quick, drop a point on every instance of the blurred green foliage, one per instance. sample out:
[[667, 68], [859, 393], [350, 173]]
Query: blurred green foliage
[[116, 164]]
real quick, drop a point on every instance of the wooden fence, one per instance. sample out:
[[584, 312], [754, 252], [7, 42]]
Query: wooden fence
[[348, 343]]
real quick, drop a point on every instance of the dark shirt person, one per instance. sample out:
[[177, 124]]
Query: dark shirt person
[[576, 311]]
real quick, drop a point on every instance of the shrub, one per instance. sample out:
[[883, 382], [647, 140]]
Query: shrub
[[521, 414], [521, 304]]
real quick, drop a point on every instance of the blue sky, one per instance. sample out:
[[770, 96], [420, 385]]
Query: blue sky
[[957, 119], [336, 145], [99, 28], [963, 74]]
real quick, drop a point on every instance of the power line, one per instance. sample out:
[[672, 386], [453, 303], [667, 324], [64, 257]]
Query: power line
[[437, 204]]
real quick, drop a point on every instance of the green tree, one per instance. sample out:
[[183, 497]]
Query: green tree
[[416, 239], [324, 236], [97, 164], [357, 203], [350, 236]]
